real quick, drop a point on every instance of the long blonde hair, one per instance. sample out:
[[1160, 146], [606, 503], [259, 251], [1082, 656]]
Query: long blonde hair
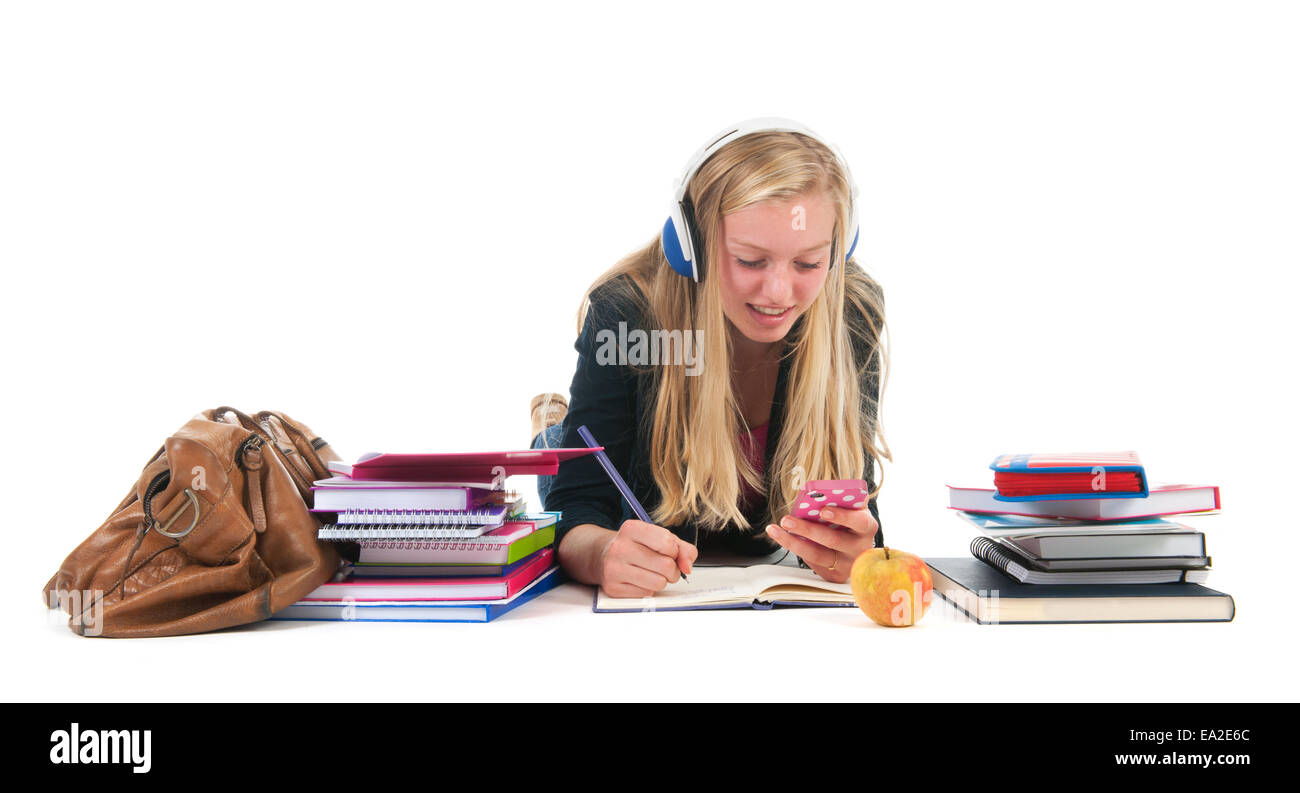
[[831, 429]]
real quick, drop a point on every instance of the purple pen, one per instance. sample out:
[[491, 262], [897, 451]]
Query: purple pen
[[618, 480]]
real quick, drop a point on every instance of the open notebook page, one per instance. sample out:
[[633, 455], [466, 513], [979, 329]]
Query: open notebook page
[[720, 586]]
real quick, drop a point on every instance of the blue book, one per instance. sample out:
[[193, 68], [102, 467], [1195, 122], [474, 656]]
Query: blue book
[[995, 525], [990, 597], [420, 611]]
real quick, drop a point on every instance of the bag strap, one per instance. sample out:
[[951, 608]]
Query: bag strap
[[244, 420]]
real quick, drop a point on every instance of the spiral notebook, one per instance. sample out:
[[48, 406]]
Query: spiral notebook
[[414, 524], [1016, 564], [509, 543]]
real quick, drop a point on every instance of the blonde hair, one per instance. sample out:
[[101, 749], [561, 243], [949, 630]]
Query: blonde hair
[[831, 429]]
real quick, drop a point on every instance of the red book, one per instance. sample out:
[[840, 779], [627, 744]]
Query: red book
[[1017, 484], [472, 468], [416, 589]]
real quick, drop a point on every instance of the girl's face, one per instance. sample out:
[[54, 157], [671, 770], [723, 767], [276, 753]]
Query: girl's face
[[775, 257]]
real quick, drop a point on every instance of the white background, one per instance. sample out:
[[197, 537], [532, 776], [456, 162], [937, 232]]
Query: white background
[[379, 217]]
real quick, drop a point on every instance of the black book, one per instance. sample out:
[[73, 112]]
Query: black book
[[1028, 570], [989, 596]]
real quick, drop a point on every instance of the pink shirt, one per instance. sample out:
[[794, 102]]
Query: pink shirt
[[754, 445]]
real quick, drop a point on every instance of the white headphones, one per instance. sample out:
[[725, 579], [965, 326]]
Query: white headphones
[[681, 239]]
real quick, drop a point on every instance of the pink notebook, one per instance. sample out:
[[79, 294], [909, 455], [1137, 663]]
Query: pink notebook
[[402, 589], [339, 494], [475, 467]]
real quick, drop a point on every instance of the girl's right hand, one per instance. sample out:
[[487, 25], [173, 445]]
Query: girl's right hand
[[642, 559]]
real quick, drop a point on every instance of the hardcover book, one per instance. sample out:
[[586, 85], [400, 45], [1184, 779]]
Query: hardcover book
[[458, 588], [988, 596], [1160, 500], [473, 467], [420, 611]]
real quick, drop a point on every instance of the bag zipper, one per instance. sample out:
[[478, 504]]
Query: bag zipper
[[256, 500], [159, 483], [290, 456], [253, 441]]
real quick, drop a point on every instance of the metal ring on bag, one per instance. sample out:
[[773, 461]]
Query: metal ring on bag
[[194, 503]]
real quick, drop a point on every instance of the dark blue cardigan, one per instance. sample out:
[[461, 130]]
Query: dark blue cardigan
[[616, 403]]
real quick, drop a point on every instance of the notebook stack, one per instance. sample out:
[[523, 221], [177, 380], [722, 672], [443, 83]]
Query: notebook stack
[[432, 538], [1081, 538]]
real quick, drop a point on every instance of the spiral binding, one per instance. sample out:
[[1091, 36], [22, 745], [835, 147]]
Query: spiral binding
[[416, 526], [986, 550], [397, 531], [420, 517], [466, 544]]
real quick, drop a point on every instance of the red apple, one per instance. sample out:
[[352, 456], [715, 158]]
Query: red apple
[[891, 587]]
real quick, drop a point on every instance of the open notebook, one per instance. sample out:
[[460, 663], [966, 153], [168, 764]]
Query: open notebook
[[759, 587]]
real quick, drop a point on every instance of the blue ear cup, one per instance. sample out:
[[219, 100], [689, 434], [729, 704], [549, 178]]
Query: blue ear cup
[[681, 241], [673, 251]]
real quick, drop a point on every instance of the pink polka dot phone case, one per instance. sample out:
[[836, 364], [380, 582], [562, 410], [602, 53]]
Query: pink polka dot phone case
[[843, 493]]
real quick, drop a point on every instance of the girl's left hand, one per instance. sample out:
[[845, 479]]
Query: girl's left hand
[[829, 550]]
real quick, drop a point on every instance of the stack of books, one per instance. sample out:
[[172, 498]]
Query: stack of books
[[432, 538], [1081, 538]]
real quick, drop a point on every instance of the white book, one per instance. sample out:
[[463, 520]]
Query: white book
[[1161, 500], [1154, 545]]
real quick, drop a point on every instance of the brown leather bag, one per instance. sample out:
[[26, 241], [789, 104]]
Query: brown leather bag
[[215, 533]]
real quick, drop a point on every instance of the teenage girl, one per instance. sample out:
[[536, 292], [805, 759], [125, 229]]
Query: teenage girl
[[757, 368]]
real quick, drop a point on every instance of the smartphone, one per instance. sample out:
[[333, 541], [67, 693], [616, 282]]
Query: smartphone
[[842, 493]]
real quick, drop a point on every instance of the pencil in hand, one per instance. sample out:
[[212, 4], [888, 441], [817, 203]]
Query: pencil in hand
[[613, 474]]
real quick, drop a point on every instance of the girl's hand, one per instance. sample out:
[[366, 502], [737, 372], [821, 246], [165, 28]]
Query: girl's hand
[[642, 559], [829, 550]]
